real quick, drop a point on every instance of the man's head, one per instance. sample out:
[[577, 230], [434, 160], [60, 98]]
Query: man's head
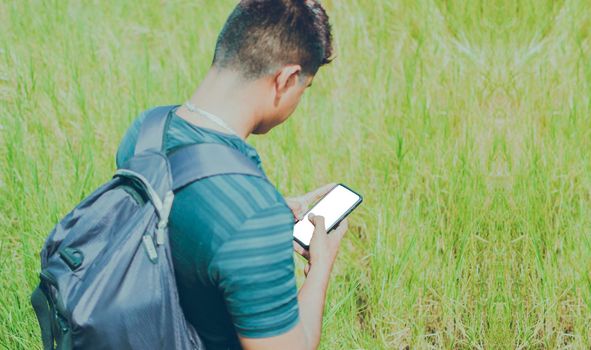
[[280, 44]]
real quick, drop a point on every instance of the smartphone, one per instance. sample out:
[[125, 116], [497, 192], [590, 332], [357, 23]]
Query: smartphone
[[334, 206]]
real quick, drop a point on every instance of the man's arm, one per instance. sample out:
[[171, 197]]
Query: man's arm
[[306, 333]]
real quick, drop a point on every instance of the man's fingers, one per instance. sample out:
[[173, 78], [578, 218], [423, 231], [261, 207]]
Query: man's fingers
[[319, 192], [319, 234], [301, 250], [341, 229], [298, 248], [317, 220], [296, 207]]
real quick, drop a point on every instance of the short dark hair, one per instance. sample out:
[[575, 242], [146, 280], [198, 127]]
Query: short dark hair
[[261, 35]]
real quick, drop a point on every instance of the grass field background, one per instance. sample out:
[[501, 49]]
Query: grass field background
[[465, 124]]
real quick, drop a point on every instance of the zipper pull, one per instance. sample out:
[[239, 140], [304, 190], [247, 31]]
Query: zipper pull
[[150, 248], [164, 213]]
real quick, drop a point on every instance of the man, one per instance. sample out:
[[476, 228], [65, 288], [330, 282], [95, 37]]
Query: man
[[231, 235]]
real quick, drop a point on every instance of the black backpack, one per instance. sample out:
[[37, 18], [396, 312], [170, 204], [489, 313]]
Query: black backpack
[[107, 279]]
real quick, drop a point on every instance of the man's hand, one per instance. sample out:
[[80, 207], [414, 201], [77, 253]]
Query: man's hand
[[299, 205], [324, 247]]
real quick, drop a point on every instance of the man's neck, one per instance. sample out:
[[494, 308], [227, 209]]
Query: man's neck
[[224, 95]]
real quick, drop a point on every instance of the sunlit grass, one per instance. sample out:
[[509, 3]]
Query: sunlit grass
[[466, 125]]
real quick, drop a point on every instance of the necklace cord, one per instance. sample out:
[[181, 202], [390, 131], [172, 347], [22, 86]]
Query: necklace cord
[[210, 116]]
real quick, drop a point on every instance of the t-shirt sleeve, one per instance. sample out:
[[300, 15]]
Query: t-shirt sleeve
[[254, 270]]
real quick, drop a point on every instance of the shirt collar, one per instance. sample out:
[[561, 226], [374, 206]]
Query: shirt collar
[[233, 140]]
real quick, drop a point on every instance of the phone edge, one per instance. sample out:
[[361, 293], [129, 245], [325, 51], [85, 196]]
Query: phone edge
[[336, 222]]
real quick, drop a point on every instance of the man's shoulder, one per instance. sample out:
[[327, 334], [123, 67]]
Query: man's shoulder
[[127, 144], [240, 192], [243, 195], [224, 206]]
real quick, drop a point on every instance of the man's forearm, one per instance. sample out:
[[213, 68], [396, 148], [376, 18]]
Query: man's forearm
[[311, 298]]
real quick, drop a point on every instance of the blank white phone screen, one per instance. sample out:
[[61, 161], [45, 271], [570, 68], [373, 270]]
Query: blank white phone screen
[[338, 201]]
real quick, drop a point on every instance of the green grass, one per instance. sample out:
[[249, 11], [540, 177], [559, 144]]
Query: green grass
[[465, 124]]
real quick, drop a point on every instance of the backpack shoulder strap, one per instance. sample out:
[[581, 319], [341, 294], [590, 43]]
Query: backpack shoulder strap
[[152, 129], [198, 161]]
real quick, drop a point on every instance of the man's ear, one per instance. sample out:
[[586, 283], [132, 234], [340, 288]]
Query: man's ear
[[285, 78]]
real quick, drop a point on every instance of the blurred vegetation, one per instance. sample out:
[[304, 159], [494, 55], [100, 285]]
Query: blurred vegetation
[[465, 124]]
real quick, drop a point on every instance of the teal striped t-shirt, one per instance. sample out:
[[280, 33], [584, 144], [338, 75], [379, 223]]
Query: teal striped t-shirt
[[231, 243]]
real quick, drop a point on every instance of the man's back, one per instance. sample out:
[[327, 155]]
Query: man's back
[[231, 241]]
